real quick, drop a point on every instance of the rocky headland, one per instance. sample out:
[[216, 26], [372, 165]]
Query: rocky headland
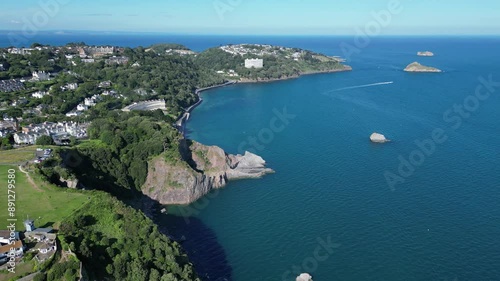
[[202, 169], [417, 67]]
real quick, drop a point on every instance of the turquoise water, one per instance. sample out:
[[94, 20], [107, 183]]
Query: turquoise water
[[442, 223]]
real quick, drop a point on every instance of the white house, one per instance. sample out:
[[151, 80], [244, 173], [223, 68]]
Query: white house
[[17, 247], [39, 94], [254, 63], [82, 107], [5, 236], [70, 86], [40, 76], [73, 113]]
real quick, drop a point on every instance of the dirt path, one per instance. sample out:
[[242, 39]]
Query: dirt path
[[30, 180]]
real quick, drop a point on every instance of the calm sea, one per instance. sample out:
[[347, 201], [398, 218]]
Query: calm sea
[[441, 223], [329, 209]]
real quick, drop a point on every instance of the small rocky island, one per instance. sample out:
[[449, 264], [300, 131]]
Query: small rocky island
[[417, 67], [304, 277], [378, 138], [425, 54]]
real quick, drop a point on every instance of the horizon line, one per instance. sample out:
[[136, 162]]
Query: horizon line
[[65, 32]]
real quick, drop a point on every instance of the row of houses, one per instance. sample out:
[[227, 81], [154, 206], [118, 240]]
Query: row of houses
[[117, 60], [97, 51], [20, 51], [58, 131], [11, 85], [90, 102]]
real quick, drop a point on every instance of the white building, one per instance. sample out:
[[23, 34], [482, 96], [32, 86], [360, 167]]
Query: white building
[[40, 76], [254, 63], [82, 107], [39, 94], [73, 114], [70, 86]]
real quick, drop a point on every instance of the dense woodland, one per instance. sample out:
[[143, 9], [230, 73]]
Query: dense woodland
[[118, 242]]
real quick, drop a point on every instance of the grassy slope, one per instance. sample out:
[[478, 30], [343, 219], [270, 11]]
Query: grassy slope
[[48, 207], [16, 156]]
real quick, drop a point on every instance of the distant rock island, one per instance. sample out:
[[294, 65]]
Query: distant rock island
[[304, 277], [425, 54], [417, 67], [378, 138]]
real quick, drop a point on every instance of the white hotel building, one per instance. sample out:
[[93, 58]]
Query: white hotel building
[[255, 63]]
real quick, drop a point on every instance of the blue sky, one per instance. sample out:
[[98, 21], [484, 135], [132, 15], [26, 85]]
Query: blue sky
[[415, 17]]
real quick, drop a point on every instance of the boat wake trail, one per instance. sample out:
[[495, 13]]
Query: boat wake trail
[[363, 86]]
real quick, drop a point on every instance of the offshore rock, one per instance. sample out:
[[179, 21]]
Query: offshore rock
[[378, 138], [304, 277]]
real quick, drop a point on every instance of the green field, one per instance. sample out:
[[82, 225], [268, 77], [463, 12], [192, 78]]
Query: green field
[[47, 206], [16, 156]]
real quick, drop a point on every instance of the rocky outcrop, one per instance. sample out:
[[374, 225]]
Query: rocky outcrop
[[378, 138], [71, 183], [417, 67], [202, 169], [304, 277], [425, 54]]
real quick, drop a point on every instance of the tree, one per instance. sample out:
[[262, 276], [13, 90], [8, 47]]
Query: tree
[[40, 277], [73, 141], [45, 140]]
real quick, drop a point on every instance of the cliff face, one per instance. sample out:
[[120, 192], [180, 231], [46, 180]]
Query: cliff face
[[203, 168]]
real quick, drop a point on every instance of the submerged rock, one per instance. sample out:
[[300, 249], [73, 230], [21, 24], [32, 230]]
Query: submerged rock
[[378, 138], [304, 277], [417, 67]]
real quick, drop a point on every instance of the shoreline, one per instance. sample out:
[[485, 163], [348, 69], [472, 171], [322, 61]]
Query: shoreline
[[251, 81], [180, 123]]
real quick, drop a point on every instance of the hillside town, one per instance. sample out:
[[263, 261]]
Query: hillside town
[[263, 50]]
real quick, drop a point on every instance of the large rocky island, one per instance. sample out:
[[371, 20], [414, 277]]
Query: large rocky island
[[417, 67]]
